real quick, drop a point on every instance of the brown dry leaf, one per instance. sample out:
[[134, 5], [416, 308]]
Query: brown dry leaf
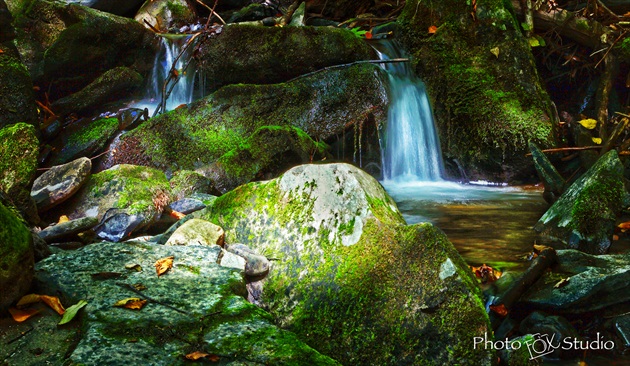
[[432, 29], [563, 282], [28, 299], [486, 273], [138, 286], [177, 215], [500, 309], [21, 315], [213, 358], [54, 303], [163, 265], [539, 248], [615, 237], [135, 266], [133, 303], [624, 226], [62, 219], [196, 355]]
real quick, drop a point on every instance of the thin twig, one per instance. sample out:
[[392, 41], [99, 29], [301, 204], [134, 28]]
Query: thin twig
[[610, 48], [212, 12], [132, 289], [155, 30], [45, 108], [21, 335], [101, 154], [563, 149], [351, 64]]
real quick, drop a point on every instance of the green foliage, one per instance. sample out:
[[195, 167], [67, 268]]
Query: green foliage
[[358, 32]]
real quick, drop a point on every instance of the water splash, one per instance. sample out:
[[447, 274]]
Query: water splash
[[411, 146]]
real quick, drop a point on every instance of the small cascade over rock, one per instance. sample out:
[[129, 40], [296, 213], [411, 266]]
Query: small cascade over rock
[[411, 149]]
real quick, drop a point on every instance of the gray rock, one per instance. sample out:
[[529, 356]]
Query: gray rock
[[552, 180], [164, 14], [298, 16], [553, 326], [232, 260], [197, 232], [194, 292], [596, 282], [60, 182], [622, 329], [185, 183], [256, 264], [85, 138], [117, 225], [251, 12], [186, 205], [584, 216], [40, 247], [68, 229]]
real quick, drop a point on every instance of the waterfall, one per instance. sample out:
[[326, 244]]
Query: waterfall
[[411, 149], [182, 92]]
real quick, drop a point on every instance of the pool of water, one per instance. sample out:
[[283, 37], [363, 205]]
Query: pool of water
[[487, 224]]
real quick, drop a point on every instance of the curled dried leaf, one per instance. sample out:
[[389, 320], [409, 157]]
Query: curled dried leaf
[[500, 309], [432, 29], [54, 303], [134, 266], [133, 303], [196, 355], [27, 300], [163, 265], [21, 315]]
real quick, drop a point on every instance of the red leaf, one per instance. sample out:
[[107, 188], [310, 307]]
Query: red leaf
[[432, 29], [368, 35], [500, 309]]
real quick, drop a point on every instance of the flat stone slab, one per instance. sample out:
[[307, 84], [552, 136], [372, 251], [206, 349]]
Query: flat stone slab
[[60, 182], [68, 229]]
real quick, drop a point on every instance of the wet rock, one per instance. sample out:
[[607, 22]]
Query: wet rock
[[197, 232], [621, 325], [555, 327], [60, 182], [83, 139], [115, 84], [132, 196], [595, 282], [67, 230], [256, 265], [19, 148], [118, 7], [547, 173], [165, 14], [186, 182], [196, 290], [297, 20], [7, 33], [322, 105], [518, 354], [584, 216], [345, 260], [40, 247], [16, 258], [257, 55], [270, 150], [232, 260], [130, 118], [252, 12], [17, 100], [186, 205]]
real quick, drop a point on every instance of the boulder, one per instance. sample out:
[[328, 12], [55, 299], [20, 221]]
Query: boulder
[[547, 173], [164, 14], [487, 107], [269, 151], [196, 306], [60, 182], [115, 84], [86, 138], [595, 283], [260, 55], [186, 205], [19, 148], [323, 105], [124, 198], [555, 327], [68, 230], [16, 258], [348, 276], [197, 232], [186, 182], [584, 216], [252, 12], [256, 265], [118, 7]]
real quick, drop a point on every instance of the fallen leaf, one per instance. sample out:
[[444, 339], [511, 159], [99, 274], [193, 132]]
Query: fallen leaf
[[563, 282], [597, 140], [368, 35], [163, 265], [133, 303], [588, 123], [28, 299], [71, 312], [105, 275], [615, 237], [138, 286], [135, 266], [500, 309], [495, 51], [539, 248], [177, 215], [54, 303], [1, 51], [486, 273], [432, 29], [21, 315], [197, 355], [62, 219], [624, 226]]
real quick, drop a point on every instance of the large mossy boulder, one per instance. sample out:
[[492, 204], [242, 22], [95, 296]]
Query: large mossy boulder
[[19, 148], [348, 276], [323, 105], [17, 100], [198, 306], [16, 258], [481, 76], [86, 138], [67, 46], [264, 55], [584, 216], [124, 198], [164, 14]]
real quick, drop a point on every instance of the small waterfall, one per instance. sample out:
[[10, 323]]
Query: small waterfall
[[411, 149]]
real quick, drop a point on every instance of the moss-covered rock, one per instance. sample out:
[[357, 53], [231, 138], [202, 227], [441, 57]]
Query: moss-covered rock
[[187, 182], [135, 191], [487, 108], [84, 139], [269, 151], [199, 306], [115, 84], [323, 105], [68, 45], [349, 277], [164, 14], [264, 55], [16, 258], [584, 216], [19, 148]]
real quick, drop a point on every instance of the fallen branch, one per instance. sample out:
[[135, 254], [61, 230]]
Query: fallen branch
[[563, 149], [393, 60], [155, 30], [212, 12]]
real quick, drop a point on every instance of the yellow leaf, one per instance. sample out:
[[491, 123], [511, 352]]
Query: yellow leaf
[[28, 299], [597, 140], [588, 123], [133, 303], [563, 282], [21, 315], [495, 51], [62, 219], [163, 265], [196, 355], [54, 303]]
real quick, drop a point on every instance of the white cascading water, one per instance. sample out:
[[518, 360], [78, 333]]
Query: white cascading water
[[411, 150]]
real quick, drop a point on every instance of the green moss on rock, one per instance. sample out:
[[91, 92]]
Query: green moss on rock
[[86, 141], [17, 100], [19, 148]]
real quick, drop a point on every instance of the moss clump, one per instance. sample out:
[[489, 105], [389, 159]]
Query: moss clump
[[596, 202], [17, 100], [18, 157], [87, 140]]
